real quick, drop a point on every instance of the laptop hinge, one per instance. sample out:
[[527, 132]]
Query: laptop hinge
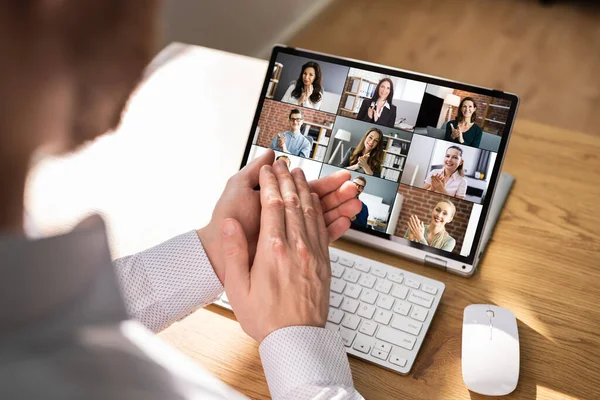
[[435, 262]]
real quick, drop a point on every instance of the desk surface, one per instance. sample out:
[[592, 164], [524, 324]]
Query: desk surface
[[543, 262]]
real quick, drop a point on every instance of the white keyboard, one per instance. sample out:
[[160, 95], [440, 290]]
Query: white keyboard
[[381, 312]]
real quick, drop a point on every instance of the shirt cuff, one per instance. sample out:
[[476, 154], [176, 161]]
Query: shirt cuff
[[298, 358], [167, 282]]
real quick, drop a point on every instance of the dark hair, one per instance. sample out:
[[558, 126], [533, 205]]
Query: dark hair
[[295, 111], [362, 178], [376, 157], [390, 96], [460, 115], [315, 97], [460, 170]]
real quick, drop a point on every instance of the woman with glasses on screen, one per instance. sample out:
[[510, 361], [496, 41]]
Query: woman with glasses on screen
[[434, 234], [379, 109], [463, 129], [307, 91], [449, 180], [367, 157]]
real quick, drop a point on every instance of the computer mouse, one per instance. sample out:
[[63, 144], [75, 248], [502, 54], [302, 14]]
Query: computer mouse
[[490, 350]]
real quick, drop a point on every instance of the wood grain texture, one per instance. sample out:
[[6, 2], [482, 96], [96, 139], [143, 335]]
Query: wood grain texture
[[543, 264], [549, 55]]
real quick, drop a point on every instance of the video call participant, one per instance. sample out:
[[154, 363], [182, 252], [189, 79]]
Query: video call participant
[[449, 180], [307, 91], [286, 159], [380, 109], [360, 219], [463, 129], [292, 141], [367, 157], [434, 234]]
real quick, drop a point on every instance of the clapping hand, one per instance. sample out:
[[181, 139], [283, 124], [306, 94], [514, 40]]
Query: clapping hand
[[281, 141], [336, 191], [457, 134], [306, 93], [363, 161], [438, 182], [288, 282], [371, 112], [417, 228]]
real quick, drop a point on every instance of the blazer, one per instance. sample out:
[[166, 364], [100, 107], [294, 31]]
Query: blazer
[[387, 118]]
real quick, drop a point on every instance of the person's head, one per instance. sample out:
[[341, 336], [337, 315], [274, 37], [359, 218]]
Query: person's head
[[286, 159], [372, 144], [443, 213], [384, 90], [467, 110], [295, 120], [309, 75], [453, 161], [360, 182], [68, 71]]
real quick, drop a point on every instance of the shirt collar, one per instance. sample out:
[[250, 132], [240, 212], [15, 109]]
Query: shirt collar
[[386, 105], [59, 282]]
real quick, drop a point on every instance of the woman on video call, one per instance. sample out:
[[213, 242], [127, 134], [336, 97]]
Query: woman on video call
[[380, 109], [434, 234], [463, 129], [367, 157], [307, 91], [449, 180]]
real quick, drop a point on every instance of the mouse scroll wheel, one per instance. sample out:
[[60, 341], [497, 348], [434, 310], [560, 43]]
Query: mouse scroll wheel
[[490, 313]]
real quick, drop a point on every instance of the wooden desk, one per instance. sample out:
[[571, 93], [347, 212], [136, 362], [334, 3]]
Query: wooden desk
[[139, 178], [543, 264]]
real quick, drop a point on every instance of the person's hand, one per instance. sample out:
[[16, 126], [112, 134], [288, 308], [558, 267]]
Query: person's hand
[[417, 228], [309, 91], [438, 182], [306, 93], [281, 141], [363, 161], [240, 201], [288, 283], [371, 112], [457, 134]]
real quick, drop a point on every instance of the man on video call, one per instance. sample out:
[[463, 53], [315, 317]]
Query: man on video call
[[292, 141], [75, 326], [360, 219]]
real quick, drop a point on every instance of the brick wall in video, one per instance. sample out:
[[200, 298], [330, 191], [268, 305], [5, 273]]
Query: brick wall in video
[[420, 202], [274, 118], [490, 109]]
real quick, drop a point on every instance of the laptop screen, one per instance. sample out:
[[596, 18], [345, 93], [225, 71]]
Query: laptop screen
[[424, 153]]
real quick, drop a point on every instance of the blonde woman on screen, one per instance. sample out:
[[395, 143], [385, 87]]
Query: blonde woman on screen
[[434, 234]]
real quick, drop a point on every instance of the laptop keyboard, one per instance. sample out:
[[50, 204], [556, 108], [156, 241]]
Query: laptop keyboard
[[381, 312]]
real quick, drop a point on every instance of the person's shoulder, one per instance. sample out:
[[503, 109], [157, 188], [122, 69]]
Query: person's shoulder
[[477, 127]]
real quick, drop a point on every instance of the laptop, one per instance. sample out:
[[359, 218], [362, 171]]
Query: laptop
[[425, 154], [420, 148]]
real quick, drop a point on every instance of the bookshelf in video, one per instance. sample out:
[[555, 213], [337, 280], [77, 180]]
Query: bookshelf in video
[[420, 155]]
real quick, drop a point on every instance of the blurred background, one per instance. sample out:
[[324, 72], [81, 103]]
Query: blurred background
[[548, 52]]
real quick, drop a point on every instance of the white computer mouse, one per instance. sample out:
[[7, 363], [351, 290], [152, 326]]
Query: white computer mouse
[[490, 350]]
